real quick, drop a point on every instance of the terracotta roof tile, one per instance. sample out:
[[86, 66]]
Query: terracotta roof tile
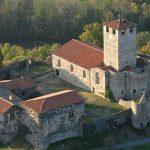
[[120, 24], [17, 83], [4, 106], [80, 54], [53, 101]]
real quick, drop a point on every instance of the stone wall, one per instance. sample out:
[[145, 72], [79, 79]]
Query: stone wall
[[101, 125], [75, 77], [98, 88], [127, 85], [127, 48], [125, 104], [47, 128], [5, 72], [9, 126]]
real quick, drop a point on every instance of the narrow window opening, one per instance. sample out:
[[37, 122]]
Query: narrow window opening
[[131, 30], [84, 74], [122, 32], [114, 31], [97, 78], [134, 91], [71, 114], [71, 68], [107, 29], [59, 63]]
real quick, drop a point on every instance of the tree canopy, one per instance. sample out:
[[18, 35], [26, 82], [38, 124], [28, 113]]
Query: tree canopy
[[61, 20], [93, 34]]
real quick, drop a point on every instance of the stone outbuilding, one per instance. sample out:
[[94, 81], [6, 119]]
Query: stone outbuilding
[[9, 115], [51, 118], [22, 87]]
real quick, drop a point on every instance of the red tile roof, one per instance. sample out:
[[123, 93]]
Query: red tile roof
[[120, 24], [53, 101], [4, 106], [80, 54], [17, 83]]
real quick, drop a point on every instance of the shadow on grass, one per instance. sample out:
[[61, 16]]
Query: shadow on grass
[[17, 144]]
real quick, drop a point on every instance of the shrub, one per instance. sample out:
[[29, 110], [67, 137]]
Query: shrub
[[108, 94]]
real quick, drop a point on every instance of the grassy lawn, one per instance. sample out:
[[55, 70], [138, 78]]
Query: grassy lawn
[[17, 144], [143, 147], [34, 70]]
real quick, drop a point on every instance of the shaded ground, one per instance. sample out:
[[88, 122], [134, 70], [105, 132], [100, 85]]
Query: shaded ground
[[125, 133], [34, 70], [17, 144], [143, 147], [96, 107]]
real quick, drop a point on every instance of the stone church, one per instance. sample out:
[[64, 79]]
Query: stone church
[[116, 67]]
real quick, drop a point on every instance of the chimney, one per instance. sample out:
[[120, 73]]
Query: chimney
[[10, 97]]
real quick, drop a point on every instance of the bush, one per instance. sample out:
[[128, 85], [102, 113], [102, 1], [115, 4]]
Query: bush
[[108, 94]]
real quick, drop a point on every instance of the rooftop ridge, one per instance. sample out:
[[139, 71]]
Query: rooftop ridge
[[98, 49], [6, 101], [51, 95]]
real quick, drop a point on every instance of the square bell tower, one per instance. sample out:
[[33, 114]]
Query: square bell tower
[[119, 44]]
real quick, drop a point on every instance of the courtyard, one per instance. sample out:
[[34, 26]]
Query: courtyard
[[96, 107]]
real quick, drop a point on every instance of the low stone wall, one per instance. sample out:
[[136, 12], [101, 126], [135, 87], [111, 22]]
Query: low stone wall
[[5, 72], [126, 104], [101, 125]]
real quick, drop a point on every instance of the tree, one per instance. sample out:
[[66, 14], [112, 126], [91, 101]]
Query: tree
[[122, 7], [142, 39], [1, 59], [145, 49], [93, 34]]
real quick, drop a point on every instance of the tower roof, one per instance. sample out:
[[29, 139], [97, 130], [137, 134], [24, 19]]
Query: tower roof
[[120, 24]]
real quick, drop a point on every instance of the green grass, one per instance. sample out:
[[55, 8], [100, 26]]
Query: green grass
[[34, 70], [142, 147], [17, 144], [97, 107]]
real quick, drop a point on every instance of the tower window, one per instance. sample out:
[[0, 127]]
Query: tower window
[[131, 30], [71, 114], [71, 68], [84, 74], [113, 31], [96, 78], [59, 63], [134, 91], [122, 31], [107, 29]]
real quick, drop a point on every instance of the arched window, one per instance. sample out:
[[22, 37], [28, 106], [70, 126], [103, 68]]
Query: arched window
[[71, 68], [96, 78], [59, 63], [84, 74]]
